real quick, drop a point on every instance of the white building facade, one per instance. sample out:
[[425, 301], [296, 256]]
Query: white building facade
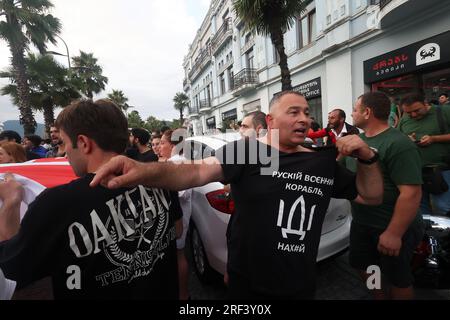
[[337, 50]]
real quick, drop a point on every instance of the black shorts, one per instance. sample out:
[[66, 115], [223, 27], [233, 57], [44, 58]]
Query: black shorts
[[364, 253]]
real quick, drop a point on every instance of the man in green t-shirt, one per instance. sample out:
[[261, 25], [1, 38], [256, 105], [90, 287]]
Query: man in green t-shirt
[[386, 235], [420, 122]]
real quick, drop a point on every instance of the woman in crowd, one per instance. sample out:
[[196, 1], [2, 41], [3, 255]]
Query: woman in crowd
[[11, 152], [168, 150]]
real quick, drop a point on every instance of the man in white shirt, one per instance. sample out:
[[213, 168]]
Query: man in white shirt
[[340, 128]]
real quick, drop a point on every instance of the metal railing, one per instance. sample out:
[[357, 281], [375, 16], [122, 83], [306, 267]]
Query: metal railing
[[243, 77], [224, 32], [205, 103], [250, 43], [193, 110], [202, 59]]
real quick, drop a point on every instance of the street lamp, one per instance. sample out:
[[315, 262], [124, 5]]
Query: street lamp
[[60, 54]]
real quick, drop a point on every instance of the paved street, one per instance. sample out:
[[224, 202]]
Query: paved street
[[335, 281]]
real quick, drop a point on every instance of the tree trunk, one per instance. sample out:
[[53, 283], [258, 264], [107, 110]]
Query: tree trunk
[[23, 91], [278, 41], [49, 117], [181, 116]]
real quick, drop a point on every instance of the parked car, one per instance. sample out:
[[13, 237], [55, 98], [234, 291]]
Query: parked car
[[212, 207]]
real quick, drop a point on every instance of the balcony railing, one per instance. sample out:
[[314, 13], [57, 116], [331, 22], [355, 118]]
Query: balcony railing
[[225, 32], [245, 76], [193, 111], [244, 80], [185, 84], [250, 43], [205, 105], [225, 66], [202, 60]]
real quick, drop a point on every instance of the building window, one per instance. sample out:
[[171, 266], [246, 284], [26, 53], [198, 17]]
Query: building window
[[250, 58], [231, 78], [222, 83], [307, 30]]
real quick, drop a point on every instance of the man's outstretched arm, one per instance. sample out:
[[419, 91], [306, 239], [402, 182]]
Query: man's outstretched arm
[[121, 171]]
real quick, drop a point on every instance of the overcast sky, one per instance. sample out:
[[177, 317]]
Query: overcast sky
[[139, 43]]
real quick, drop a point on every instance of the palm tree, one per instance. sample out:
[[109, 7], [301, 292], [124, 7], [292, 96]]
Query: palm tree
[[26, 22], [181, 102], [119, 98], [272, 18], [88, 74], [49, 83]]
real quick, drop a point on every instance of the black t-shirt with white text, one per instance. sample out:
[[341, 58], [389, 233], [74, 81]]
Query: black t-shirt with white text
[[97, 243], [276, 228]]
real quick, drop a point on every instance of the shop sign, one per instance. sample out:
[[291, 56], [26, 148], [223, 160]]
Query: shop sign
[[211, 121], [310, 89], [409, 59], [232, 114]]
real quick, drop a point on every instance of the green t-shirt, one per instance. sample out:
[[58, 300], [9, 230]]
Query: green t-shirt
[[436, 153], [400, 164]]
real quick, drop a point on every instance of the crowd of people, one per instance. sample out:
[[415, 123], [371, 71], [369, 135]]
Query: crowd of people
[[123, 234], [14, 149]]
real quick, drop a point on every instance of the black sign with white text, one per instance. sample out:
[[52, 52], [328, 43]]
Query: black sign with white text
[[420, 55]]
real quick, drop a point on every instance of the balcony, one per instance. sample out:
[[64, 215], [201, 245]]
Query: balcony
[[225, 66], [395, 11], [186, 84], [193, 112], [248, 45], [203, 59], [244, 81], [205, 106], [224, 33]]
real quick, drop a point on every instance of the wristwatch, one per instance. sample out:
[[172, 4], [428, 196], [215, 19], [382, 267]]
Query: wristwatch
[[372, 160]]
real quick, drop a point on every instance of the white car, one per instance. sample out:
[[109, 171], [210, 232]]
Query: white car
[[212, 207]]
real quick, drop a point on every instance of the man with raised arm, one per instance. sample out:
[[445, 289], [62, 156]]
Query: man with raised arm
[[281, 191]]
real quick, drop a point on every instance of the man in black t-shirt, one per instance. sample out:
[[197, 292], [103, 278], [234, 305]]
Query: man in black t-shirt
[[95, 243], [281, 191], [139, 139]]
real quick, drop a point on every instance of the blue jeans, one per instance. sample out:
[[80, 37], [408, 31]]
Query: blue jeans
[[436, 203]]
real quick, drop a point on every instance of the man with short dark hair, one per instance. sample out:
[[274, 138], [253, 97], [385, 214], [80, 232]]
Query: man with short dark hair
[[429, 127], [337, 124], [281, 191], [139, 139], [94, 243], [386, 235], [253, 125], [443, 99]]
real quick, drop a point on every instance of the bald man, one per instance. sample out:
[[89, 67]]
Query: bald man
[[276, 183]]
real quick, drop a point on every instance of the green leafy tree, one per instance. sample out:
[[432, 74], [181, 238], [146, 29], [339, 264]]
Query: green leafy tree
[[119, 98], [25, 22], [176, 123], [135, 120], [49, 84], [88, 74], [153, 124], [272, 18], [181, 102]]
